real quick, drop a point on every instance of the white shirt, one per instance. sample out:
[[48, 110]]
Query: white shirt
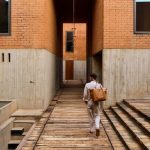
[[90, 85]]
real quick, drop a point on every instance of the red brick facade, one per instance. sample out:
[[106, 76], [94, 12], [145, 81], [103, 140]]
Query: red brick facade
[[79, 43], [119, 26], [33, 25], [113, 26]]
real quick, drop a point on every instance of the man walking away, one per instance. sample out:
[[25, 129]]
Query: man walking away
[[93, 107]]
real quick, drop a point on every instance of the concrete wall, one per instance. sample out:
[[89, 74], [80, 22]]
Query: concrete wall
[[7, 110], [64, 70], [27, 66], [79, 72], [5, 136], [33, 48], [126, 74]]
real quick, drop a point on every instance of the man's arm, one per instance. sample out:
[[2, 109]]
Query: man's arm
[[100, 85], [85, 94]]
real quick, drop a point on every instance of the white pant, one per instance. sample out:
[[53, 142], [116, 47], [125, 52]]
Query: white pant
[[94, 114]]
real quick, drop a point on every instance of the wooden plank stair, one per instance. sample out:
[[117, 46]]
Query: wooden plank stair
[[65, 126], [140, 106], [13, 144], [123, 133], [130, 120], [142, 122], [112, 135], [133, 127], [17, 131]]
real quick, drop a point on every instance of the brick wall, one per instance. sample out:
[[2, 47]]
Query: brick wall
[[119, 26], [97, 26], [33, 25], [79, 43]]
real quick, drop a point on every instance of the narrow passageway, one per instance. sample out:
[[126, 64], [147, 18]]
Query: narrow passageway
[[65, 124], [68, 125]]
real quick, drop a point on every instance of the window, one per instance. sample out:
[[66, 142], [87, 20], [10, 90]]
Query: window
[[142, 21], [70, 41], [4, 17]]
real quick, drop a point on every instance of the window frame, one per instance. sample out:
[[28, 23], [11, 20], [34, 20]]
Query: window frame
[[135, 31], [9, 21], [66, 42]]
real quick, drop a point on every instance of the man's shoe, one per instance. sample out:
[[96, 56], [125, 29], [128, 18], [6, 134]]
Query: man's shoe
[[97, 132], [92, 130]]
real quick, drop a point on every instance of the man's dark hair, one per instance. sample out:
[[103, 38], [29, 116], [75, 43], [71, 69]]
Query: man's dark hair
[[94, 76]]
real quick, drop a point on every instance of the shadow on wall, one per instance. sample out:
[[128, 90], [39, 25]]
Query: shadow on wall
[[97, 66]]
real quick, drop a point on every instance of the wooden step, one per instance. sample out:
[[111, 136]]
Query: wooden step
[[27, 114], [64, 148], [123, 133], [26, 124], [72, 93], [17, 131], [24, 121], [140, 106], [141, 121], [117, 144], [141, 137], [13, 144], [17, 137]]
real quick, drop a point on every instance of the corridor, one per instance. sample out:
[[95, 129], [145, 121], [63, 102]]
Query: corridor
[[67, 127]]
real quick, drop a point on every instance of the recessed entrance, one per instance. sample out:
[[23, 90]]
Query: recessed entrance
[[74, 30], [74, 51]]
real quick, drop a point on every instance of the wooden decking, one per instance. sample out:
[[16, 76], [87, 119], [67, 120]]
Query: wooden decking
[[130, 120], [66, 126]]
